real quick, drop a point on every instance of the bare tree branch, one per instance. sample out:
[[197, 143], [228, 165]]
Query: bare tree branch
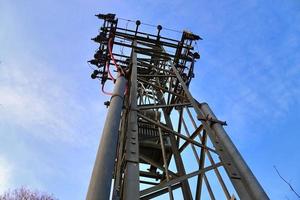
[[25, 194], [287, 182]]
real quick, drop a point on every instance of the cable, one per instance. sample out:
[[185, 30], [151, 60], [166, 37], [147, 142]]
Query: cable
[[109, 73], [120, 70], [168, 29], [126, 19], [112, 56], [107, 93], [122, 48]]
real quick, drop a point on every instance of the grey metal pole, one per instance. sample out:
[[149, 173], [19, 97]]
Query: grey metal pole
[[250, 181], [100, 184]]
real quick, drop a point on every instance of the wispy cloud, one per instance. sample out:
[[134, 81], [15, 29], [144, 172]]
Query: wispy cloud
[[28, 99], [42, 110], [39, 99], [251, 75], [50, 111]]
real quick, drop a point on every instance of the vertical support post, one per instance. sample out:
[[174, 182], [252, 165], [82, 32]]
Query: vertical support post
[[100, 184], [131, 179]]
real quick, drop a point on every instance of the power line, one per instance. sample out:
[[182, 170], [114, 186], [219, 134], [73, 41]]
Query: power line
[[151, 25]]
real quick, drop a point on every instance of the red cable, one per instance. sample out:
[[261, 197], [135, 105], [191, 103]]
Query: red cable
[[119, 69], [107, 93], [113, 58], [109, 73]]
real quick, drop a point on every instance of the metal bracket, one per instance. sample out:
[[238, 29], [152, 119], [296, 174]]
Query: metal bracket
[[107, 103], [212, 120]]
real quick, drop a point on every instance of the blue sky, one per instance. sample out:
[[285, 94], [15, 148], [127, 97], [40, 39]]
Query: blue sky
[[52, 113]]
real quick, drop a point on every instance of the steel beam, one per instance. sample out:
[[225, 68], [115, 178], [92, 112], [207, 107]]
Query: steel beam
[[131, 176], [187, 139], [152, 162], [160, 192], [178, 179], [152, 106]]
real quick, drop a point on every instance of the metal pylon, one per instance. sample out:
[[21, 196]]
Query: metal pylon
[[158, 141]]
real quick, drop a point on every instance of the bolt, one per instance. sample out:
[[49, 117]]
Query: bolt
[[106, 103]]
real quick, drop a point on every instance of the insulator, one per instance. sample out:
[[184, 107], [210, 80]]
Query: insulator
[[186, 57], [159, 27], [196, 55], [94, 74], [99, 54], [100, 38], [94, 62], [191, 36], [108, 16]]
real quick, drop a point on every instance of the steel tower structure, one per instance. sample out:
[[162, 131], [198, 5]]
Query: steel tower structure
[[158, 141]]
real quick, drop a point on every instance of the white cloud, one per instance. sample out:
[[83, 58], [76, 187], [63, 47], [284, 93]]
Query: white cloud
[[42, 101], [22, 100], [45, 115], [35, 94]]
